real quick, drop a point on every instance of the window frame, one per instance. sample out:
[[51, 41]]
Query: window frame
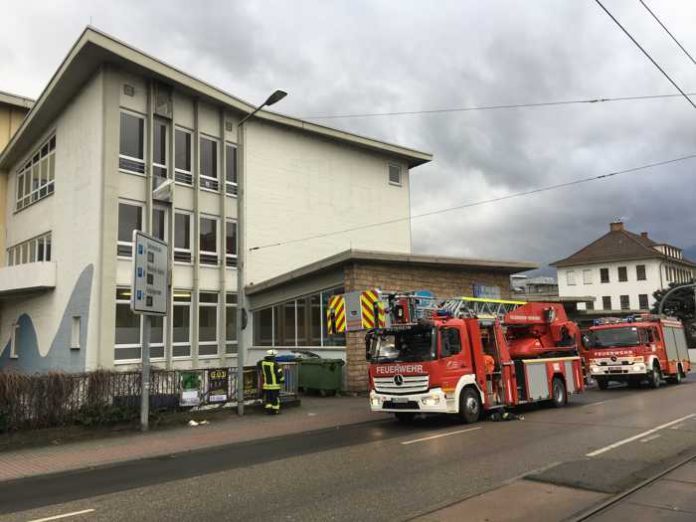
[[118, 346], [126, 157], [232, 259], [181, 175], [570, 278], [640, 302], [587, 276], [36, 167], [627, 301], [231, 187], [216, 306], [602, 272], [202, 252], [156, 167], [189, 329], [33, 246], [206, 182], [185, 251], [231, 308], [128, 244], [607, 299], [622, 274], [644, 273]]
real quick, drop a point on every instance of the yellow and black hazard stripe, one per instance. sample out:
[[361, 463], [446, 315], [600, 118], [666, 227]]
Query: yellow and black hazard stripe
[[372, 307], [336, 315]]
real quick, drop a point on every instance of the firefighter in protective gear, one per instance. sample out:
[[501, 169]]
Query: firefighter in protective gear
[[272, 379]]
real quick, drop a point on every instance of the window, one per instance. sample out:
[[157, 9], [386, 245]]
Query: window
[[640, 273], [131, 156], [159, 155], [182, 237], [589, 305], [623, 274], [75, 332], [129, 330], [230, 170], [606, 302], [643, 301], [35, 250], [130, 218], [587, 277], [570, 277], [127, 338], [181, 323], [182, 161], [207, 324], [450, 342], [36, 179], [159, 223], [208, 166], [231, 243], [208, 241], [604, 275], [298, 322], [230, 323], [394, 175], [625, 304]]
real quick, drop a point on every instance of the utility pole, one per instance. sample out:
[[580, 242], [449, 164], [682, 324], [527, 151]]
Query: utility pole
[[241, 246]]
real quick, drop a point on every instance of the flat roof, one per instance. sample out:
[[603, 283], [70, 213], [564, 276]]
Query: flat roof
[[370, 256], [16, 100], [95, 48]]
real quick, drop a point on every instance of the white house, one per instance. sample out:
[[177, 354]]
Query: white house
[[113, 124], [622, 270]]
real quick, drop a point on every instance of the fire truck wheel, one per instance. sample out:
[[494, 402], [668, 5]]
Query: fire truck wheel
[[655, 378], [560, 397], [405, 417], [602, 384], [677, 379], [469, 405]]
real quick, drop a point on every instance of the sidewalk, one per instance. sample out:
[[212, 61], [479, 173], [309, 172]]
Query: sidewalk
[[315, 413]]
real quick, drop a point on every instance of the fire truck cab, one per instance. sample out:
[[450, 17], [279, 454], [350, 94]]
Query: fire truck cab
[[644, 347], [462, 366]]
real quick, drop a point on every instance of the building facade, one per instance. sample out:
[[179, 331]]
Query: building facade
[[621, 270], [119, 141]]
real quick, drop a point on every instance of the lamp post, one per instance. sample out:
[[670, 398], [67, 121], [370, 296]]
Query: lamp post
[[670, 292], [241, 246]]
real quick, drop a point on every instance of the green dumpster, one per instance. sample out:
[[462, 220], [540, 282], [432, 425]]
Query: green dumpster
[[322, 375]]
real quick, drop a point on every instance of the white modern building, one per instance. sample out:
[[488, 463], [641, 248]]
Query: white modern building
[[621, 270], [82, 172]]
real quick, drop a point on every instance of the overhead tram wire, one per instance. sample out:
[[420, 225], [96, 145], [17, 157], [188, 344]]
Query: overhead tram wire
[[668, 32], [686, 97], [479, 203], [496, 107]]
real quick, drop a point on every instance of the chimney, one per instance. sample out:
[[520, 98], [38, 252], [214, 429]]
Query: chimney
[[644, 235], [616, 226]]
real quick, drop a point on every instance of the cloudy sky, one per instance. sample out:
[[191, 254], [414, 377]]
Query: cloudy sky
[[360, 56]]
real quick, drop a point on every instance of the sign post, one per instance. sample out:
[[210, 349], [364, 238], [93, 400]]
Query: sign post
[[149, 296]]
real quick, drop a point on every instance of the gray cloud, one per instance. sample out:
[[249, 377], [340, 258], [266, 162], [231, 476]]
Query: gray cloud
[[373, 56]]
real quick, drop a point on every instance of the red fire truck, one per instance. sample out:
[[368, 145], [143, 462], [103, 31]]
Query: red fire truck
[[644, 347], [457, 360]]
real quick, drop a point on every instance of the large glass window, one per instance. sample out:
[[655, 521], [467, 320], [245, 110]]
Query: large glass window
[[181, 323], [128, 332], [230, 170], [207, 324], [209, 164], [159, 223], [35, 250], [208, 241], [182, 163], [298, 322], [231, 243], [130, 218], [182, 237], [35, 180], [132, 143], [231, 323]]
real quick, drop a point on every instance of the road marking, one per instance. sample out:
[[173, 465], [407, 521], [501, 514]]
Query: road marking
[[639, 436], [64, 515], [651, 437], [594, 403], [406, 443]]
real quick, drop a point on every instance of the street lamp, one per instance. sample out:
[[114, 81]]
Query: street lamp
[[241, 248]]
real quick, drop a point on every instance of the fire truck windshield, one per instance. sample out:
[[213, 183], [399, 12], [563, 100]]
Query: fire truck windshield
[[413, 344], [614, 337]]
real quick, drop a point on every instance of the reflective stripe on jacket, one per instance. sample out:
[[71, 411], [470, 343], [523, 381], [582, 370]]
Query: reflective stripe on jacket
[[272, 375]]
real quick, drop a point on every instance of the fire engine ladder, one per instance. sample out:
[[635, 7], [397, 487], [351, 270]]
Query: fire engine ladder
[[480, 307]]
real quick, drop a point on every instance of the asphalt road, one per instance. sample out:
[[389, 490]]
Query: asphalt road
[[604, 441]]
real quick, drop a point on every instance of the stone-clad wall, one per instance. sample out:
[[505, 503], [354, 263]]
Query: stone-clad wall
[[444, 282]]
